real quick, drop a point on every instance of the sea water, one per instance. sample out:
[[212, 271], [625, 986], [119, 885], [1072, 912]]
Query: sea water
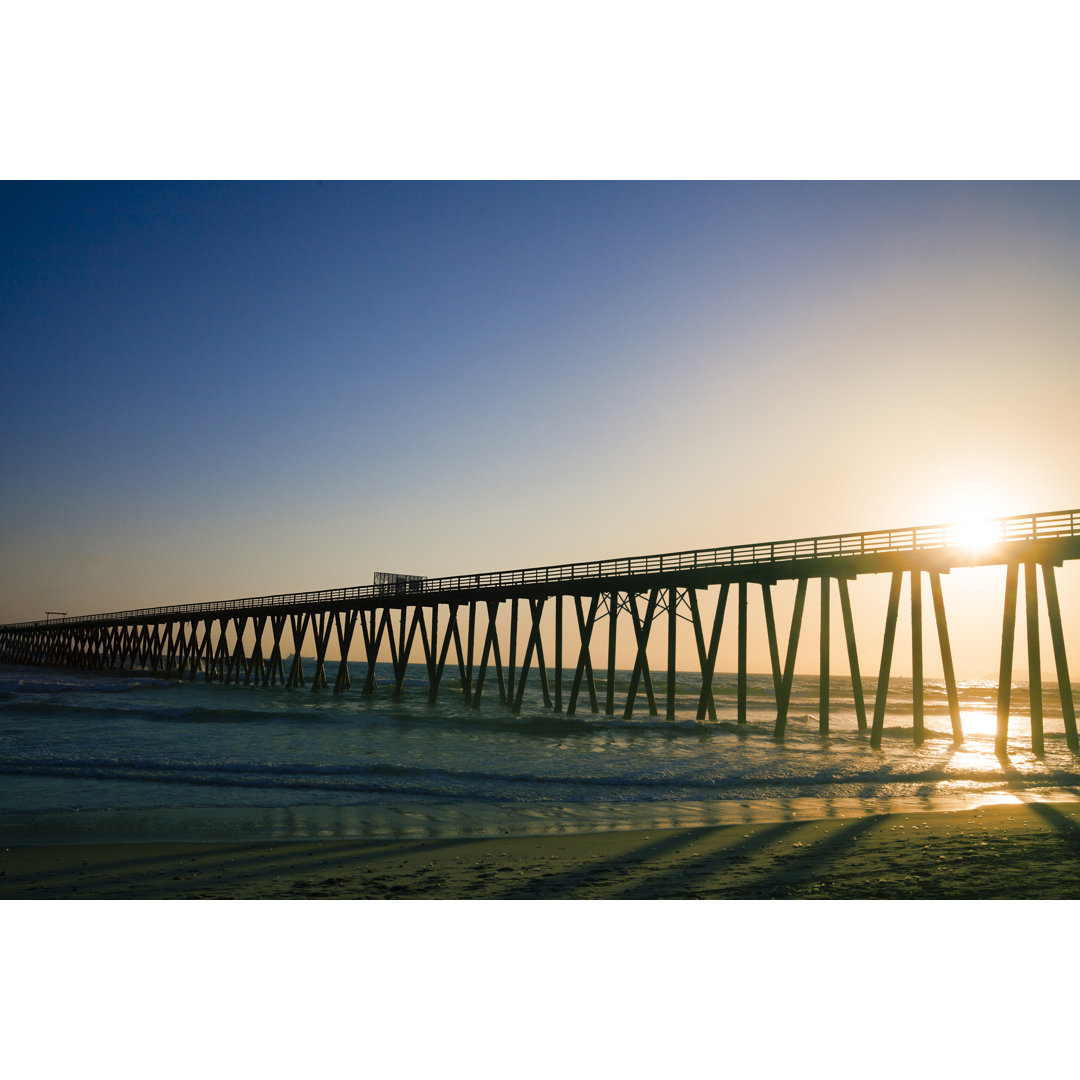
[[123, 755]]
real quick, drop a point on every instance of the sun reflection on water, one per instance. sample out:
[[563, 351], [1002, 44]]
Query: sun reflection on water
[[978, 720]]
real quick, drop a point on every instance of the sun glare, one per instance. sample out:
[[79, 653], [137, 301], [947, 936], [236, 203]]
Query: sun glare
[[976, 535], [974, 513]]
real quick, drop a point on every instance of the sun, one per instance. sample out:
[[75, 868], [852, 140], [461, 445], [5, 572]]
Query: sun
[[976, 525], [977, 534]]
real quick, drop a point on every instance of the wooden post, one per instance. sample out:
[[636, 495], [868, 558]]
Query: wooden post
[[185, 632], [609, 693], [917, 710], [558, 652], [432, 657], [497, 655], [742, 654], [184, 637], [206, 651], [1008, 626], [448, 635], [886, 659], [491, 641], [641, 663], [256, 664], [823, 664], [584, 664], [168, 647], [536, 609], [323, 624], [386, 627], [511, 660], [299, 625], [189, 660], [275, 668], [541, 666], [1057, 635], [1031, 599], [372, 627], [344, 639], [398, 653], [673, 602], [853, 653], [707, 659], [223, 652], [946, 657], [774, 648], [417, 620], [464, 677], [468, 680], [789, 667]]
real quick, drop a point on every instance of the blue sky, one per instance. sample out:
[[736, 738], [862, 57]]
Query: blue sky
[[227, 389]]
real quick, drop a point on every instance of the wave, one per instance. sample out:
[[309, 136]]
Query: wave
[[401, 714], [411, 780], [114, 740], [155, 712]]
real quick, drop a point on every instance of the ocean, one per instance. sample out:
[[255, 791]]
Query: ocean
[[90, 756]]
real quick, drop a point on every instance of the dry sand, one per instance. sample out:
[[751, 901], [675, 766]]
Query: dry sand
[[1029, 850]]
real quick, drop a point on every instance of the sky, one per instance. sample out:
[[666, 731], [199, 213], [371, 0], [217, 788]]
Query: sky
[[223, 390]]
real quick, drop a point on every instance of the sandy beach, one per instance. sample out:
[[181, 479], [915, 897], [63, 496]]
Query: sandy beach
[[1015, 851]]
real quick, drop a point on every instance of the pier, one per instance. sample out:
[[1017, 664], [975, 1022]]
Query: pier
[[436, 621]]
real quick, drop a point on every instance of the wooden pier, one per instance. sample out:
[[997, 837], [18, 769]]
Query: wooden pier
[[247, 640]]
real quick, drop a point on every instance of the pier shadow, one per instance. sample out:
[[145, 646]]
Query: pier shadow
[[1061, 823], [600, 870], [151, 876], [791, 871], [721, 873]]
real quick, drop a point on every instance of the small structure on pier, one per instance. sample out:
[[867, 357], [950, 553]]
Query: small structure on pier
[[398, 583]]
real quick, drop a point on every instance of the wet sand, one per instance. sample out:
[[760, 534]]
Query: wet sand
[[1021, 851]]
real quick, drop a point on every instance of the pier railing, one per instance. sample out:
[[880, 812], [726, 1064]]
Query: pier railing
[[1046, 526]]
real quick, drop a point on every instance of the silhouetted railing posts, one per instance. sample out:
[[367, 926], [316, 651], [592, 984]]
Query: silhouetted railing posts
[[1056, 525]]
